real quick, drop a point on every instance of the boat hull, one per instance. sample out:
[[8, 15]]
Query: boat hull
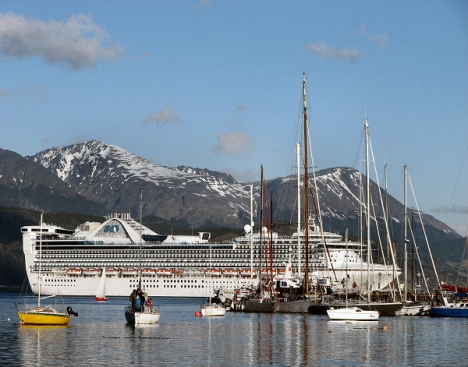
[[352, 314], [185, 285], [142, 318], [447, 311], [43, 318], [298, 306], [212, 310], [256, 305]]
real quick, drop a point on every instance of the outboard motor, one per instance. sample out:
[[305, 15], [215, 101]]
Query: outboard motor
[[71, 312]]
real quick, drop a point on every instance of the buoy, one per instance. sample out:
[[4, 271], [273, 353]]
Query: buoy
[[197, 313], [384, 327]]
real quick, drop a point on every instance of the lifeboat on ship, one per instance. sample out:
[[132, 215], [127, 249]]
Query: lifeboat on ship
[[163, 271], [213, 271], [59, 271], [177, 271], [91, 272], [112, 272], [148, 271], [266, 272], [246, 272], [74, 271], [129, 272], [230, 272], [281, 271]]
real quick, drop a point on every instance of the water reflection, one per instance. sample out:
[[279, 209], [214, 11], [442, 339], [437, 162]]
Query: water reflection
[[100, 336], [38, 342]]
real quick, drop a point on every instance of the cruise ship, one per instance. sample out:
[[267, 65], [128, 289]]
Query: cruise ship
[[72, 262]]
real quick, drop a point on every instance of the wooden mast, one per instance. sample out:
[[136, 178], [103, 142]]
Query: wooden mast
[[306, 189]]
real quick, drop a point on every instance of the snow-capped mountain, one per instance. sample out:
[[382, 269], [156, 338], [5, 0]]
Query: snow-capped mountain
[[113, 177], [29, 185]]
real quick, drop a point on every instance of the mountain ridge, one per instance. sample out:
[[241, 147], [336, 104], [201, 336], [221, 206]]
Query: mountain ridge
[[95, 178]]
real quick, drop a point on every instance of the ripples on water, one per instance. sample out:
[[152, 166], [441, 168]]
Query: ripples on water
[[100, 336]]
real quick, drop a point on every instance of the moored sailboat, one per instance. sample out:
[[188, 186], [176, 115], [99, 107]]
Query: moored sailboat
[[144, 312], [351, 313], [212, 307], [458, 305], [42, 315], [263, 300], [101, 292]]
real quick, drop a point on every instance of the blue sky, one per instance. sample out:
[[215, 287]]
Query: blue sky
[[217, 85]]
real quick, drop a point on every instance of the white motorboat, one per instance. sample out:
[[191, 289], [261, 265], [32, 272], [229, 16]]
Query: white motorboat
[[149, 315], [352, 314], [212, 309]]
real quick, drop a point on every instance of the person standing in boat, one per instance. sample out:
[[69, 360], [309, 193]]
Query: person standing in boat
[[149, 303], [132, 297], [138, 303]]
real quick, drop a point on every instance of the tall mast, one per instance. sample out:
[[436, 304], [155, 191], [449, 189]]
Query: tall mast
[[306, 188], [40, 265], [366, 129], [261, 226], [405, 234], [251, 231], [299, 270]]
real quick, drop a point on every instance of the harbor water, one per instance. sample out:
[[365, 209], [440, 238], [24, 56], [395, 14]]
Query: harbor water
[[99, 336]]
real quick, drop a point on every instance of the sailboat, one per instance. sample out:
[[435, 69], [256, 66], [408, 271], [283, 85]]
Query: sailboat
[[351, 313], [457, 307], [101, 292], [212, 308], [263, 301], [384, 308], [147, 313], [302, 302], [43, 315], [411, 307]]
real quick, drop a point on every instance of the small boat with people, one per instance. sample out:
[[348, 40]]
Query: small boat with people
[[141, 311]]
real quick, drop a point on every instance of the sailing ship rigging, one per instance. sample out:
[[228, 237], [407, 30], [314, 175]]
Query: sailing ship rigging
[[147, 313]]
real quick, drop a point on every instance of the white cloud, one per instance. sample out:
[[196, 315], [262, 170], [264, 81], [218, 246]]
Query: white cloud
[[233, 144], [377, 38], [78, 43], [324, 50], [31, 90], [163, 117], [455, 209]]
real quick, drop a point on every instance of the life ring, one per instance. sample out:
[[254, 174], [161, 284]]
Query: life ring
[[149, 303]]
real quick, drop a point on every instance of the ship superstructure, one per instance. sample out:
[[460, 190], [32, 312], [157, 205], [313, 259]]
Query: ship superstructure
[[175, 265]]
